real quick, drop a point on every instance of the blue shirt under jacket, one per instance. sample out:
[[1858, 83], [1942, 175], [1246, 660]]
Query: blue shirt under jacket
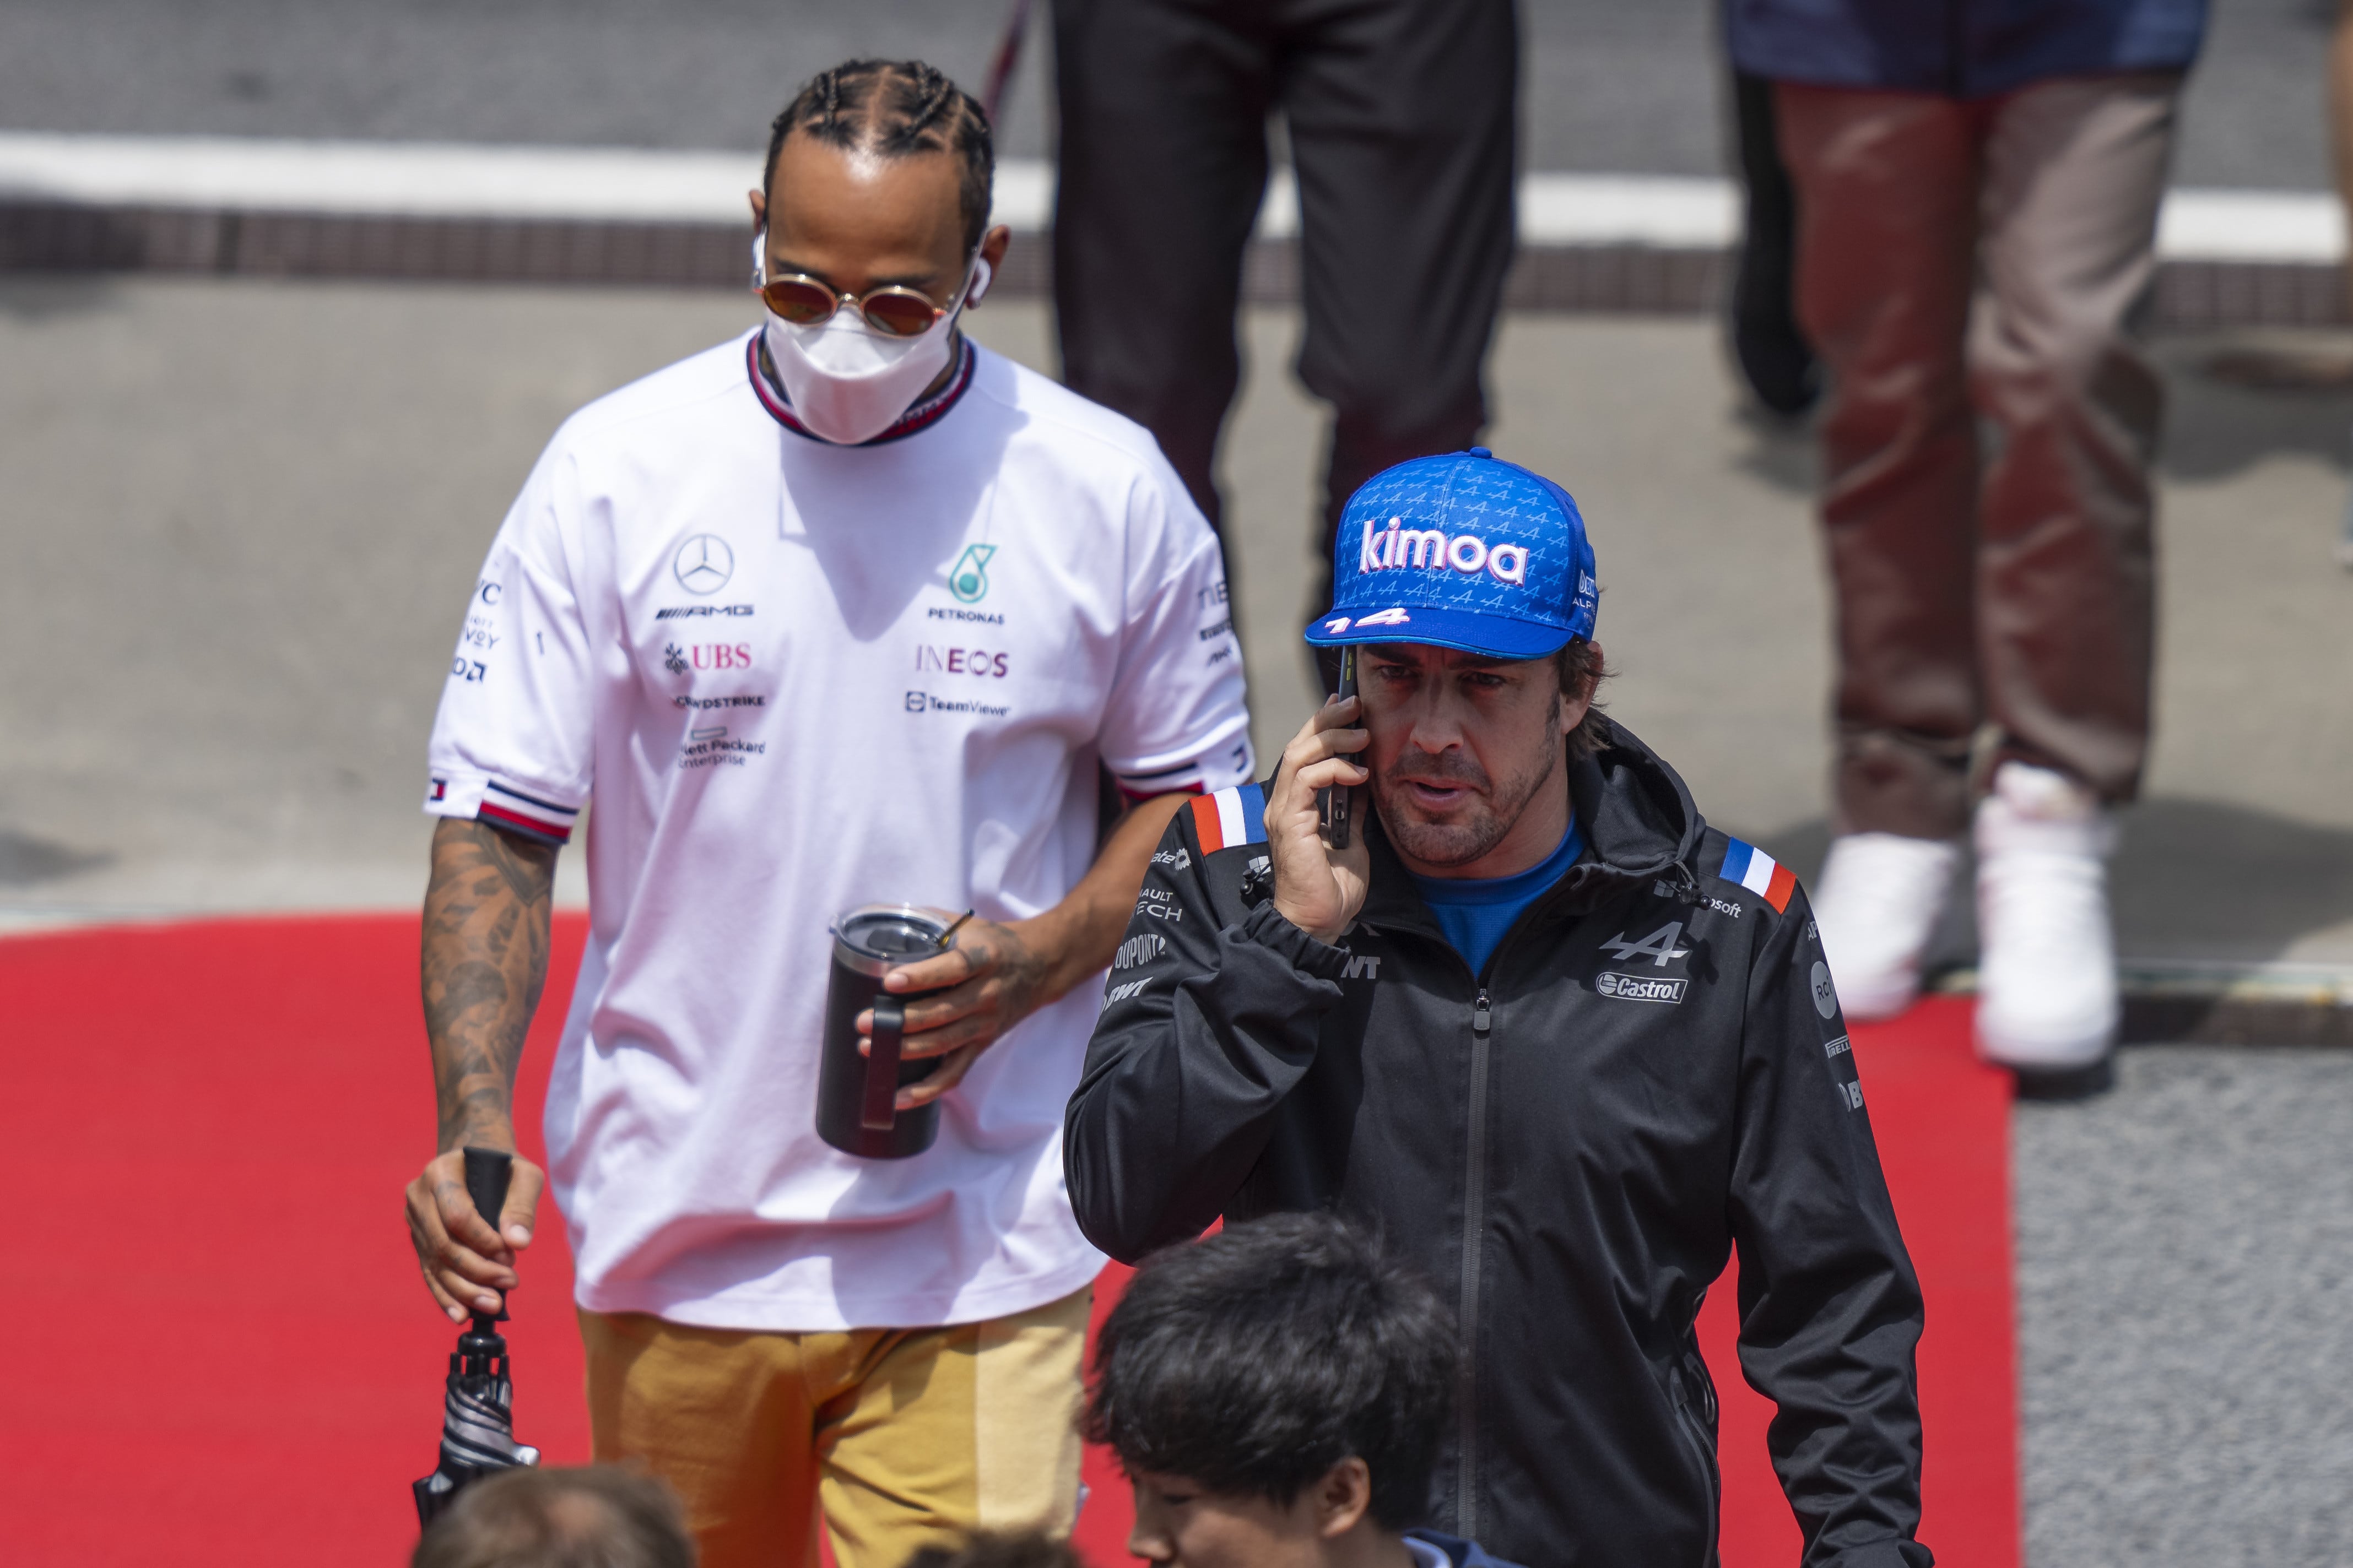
[[1964, 49], [1475, 911]]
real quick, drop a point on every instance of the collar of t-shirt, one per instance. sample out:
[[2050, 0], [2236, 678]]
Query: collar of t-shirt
[[1475, 911], [922, 414]]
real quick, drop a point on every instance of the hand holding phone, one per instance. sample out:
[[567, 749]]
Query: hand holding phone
[[1332, 805], [1320, 865]]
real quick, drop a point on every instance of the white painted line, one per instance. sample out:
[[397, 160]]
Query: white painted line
[[2251, 225], [1025, 195], [639, 185], [379, 178], [1629, 209]]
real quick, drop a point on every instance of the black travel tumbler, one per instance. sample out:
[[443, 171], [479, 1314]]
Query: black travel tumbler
[[854, 1093]]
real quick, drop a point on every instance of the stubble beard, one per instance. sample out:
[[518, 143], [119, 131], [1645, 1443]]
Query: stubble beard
[[1487, 815]]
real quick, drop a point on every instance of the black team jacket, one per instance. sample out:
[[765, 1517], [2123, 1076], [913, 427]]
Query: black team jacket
[[1651, 1074]]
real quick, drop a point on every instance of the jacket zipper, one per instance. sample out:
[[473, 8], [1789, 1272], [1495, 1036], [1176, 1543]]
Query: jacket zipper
[[1689, 1420], [1474, 1223]]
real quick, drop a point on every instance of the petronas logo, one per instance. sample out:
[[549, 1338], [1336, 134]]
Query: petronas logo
[[969, 578]]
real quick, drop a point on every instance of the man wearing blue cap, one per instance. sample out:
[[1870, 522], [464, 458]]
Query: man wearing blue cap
[[1561, 1043]]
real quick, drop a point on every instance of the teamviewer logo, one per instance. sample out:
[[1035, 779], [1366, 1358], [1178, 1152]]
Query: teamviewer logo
[[914, 702]]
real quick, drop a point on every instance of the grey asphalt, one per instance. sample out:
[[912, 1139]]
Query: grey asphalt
[[1611, 85], [2185, 1301]]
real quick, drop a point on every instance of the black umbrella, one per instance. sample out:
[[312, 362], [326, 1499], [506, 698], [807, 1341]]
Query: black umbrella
[[478, 1404]]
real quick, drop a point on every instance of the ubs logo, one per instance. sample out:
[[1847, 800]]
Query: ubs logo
[[706, 655]]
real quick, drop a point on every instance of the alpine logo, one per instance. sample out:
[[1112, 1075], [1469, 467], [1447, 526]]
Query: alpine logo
[[1641, 987], [1659, 947]]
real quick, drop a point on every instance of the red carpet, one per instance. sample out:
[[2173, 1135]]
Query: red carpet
[[222, 1354]]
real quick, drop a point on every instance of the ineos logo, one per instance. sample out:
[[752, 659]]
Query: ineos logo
[[960, 662], [703, 563]]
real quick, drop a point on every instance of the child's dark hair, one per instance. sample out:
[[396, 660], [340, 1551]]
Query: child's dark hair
[[987, 1549], [1252, 1361]]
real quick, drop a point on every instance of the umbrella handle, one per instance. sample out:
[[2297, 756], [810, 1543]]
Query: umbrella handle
[[488, 1171]]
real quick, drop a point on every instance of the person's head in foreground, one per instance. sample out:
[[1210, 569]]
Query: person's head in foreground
[[1277, 1394], [600, 1516], [873, 220], [1464, 586], [1000, 1549]]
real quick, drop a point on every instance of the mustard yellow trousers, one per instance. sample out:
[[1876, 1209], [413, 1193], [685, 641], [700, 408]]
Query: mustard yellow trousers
[[899, 1438]]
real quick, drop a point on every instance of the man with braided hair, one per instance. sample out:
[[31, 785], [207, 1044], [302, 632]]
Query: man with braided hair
[[845, 611]]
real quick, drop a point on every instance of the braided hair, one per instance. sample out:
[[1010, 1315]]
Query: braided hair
[[896, 108]]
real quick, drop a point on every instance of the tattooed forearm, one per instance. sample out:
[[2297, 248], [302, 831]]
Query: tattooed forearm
[[485, 962]]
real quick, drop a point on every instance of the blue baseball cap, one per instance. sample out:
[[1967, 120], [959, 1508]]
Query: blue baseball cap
[[1462, 551]]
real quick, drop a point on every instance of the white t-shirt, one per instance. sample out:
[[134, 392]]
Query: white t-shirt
[[797, 678]]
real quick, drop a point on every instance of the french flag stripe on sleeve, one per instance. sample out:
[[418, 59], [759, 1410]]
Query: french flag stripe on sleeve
[[1759, 873], [1229, 818]]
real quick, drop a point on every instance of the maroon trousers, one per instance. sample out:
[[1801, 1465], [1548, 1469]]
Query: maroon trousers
[[1969, 272]]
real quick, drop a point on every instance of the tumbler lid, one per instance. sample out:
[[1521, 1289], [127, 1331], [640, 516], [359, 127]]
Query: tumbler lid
[[874, 939]]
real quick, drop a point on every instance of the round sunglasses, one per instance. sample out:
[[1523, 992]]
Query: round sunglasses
[[895, 310]]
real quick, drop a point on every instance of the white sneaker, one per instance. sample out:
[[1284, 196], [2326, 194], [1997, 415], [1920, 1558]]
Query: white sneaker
[[1877, 907], [2047, 964]]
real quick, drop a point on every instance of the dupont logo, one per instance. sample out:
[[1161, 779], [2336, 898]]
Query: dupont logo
[[1641, 987]]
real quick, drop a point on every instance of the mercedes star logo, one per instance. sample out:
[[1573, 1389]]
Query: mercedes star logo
[[703, 563]]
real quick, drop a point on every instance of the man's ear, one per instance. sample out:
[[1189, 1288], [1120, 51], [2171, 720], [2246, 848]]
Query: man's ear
[[759, 208], [1572, 710], [1343, 1497], [992, 250]]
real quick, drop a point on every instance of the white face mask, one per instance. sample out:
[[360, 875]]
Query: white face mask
[[848, 383]]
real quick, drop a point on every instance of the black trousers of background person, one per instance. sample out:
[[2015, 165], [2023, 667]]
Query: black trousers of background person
[[1401, 116]]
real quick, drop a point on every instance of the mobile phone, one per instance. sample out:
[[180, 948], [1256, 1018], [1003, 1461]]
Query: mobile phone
[[1332, 804]]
